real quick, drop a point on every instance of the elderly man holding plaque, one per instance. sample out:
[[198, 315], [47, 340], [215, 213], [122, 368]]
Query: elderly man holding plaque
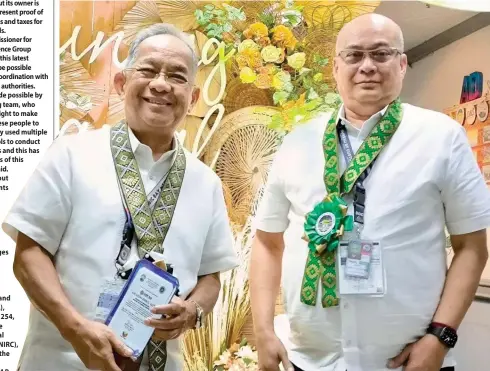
[[102, 200], [352, 223]]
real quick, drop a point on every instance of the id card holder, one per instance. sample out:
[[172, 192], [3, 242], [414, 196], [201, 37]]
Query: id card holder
[[360, 268], [358, 261], [109, 294], [148, 286]]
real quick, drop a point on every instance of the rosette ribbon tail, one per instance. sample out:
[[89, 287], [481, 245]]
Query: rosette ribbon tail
[[323, 228]]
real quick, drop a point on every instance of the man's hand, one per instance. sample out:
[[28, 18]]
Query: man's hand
[[177, 317], [427, 354], [95, 344], [271, 352]]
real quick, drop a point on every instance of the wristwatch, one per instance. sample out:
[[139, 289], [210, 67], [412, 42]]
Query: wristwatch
[[446, 335], [199, 315]]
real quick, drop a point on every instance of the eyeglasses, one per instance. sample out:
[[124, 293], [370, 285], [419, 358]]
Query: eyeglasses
[[380, 55], [150, 74]]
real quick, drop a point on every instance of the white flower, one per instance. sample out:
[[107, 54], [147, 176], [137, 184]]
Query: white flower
[[246, 352], [224, 358]]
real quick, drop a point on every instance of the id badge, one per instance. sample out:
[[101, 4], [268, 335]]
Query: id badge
[[109, 294], [360, 268], [358, 261]]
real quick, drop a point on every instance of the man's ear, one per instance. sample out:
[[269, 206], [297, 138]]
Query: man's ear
[[196, 93], [403, 64], [119, 83]]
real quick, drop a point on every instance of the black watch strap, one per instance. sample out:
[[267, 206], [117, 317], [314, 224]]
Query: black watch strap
[[445, 334]]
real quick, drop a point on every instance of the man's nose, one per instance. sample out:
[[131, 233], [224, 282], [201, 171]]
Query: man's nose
[[367, 65], [160, 83]]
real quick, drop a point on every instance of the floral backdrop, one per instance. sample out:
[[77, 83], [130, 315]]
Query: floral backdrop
[[265, 68]]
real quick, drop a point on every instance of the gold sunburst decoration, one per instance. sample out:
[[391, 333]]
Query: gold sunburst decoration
[[179, 13], [334, 14], [142, 15], [321, 42]]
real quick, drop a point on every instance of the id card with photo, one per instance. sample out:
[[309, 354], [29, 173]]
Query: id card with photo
[[360, 268], [358, 262], [148, 286]]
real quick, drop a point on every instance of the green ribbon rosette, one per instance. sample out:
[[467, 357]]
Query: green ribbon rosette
[[324, 226]]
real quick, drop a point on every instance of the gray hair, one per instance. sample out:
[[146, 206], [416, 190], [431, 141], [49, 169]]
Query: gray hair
[[162, 29]]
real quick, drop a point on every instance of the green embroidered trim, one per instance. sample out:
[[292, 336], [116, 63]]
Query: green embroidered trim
[[320, 264], [150, 227]]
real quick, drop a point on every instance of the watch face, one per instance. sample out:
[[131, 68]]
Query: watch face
[[448, 337]]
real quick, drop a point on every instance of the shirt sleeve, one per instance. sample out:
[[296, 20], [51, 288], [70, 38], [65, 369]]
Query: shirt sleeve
[[218, 253], [272, 213], [43, 207], [465, 195]]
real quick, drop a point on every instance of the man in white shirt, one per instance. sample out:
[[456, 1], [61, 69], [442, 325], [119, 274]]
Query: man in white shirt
[[363, 271], [99, 201]]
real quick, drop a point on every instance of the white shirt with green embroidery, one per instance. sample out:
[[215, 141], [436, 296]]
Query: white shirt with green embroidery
[[72, 207], [424, 178]]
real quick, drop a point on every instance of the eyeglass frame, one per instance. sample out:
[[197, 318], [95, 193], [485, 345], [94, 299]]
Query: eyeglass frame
[[158, 74], [367, 52]]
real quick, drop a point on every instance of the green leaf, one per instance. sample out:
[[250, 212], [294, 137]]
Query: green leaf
[[280, 97], [332, 99], [227, 27], [234, 13], [291, 18], [289, 87], [219, 12], [320, 60], [312, 94], [304, 71], [267, 19], [209, 7]]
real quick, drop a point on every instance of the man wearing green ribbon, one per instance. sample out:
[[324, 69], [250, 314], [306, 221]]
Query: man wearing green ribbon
[[352, 225], [101, 200]]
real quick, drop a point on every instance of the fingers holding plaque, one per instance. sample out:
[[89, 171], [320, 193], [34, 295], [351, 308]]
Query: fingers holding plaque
[[147, 287]]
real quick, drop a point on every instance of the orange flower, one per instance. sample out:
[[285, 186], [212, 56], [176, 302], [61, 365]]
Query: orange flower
[[256, 30], [263, 81], [241, 60], [283, 37], [268, 69], [264, 41]]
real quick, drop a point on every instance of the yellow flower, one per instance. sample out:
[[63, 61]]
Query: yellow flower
[[283, 37], [254, 59], [271, 54], [247, 45], [247, 75], [264, 81], [257, 29], [297, 60], [318, 77], [280, 79]]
